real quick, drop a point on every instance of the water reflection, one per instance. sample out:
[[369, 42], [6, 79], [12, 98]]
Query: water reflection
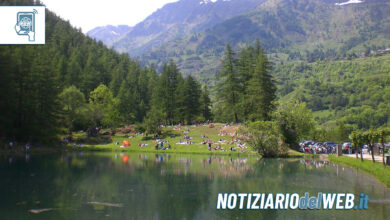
[[314, 164], [170, 186]]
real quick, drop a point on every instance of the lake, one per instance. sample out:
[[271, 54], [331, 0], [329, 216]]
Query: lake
[[171, 186]]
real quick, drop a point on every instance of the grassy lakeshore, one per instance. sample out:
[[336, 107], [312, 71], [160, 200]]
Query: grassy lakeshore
[[220, 136], [378, 170], [174, 136]]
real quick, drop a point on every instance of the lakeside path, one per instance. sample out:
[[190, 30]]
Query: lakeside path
[[380, 171], [378, 158]]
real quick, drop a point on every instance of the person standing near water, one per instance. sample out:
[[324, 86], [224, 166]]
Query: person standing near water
[[209, 145], [28, 146]]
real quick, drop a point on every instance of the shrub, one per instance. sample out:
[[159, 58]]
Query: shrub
[[266, 138]]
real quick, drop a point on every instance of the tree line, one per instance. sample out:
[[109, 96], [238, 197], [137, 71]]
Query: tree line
[[245, 90], [372, 138], [246, 93], [75, 83]]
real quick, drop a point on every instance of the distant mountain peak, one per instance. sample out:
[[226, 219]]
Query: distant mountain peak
[[109, 34], [350, 2], [178, 19], [205, 2]]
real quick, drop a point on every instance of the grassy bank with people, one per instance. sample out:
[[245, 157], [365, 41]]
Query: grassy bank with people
[[380, 171], [224, 140], [177, 139]]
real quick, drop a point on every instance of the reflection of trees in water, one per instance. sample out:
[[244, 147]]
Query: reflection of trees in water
[[144, 185], [69, 181], [202, 165]]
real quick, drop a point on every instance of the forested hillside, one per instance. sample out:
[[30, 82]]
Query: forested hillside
[[352, 92], [75, 83]]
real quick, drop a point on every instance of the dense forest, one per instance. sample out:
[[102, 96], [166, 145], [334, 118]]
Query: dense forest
[[344, 95], [75, 83]]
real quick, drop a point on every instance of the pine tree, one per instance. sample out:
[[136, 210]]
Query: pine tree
[[229, 86], [152, 84], [261, 90], [180, 97], [74, 70], [44, 114], [205, 104], [166, 89], [126, 103], [119, 74], [191, 103], [246, 65]]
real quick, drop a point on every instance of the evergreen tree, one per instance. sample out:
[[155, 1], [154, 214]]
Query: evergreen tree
[[166, 89], [180, 114], [74, 70], [119, 74], [205, 104], [126, 104], [45, 90], [261, 90], [229, 86], [192, 94], [152, 84]]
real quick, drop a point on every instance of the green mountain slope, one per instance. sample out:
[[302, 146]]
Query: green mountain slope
[[355, 92], [33, 76], [289, 29]]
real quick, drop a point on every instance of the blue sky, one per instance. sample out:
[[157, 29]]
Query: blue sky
[[89, 14]]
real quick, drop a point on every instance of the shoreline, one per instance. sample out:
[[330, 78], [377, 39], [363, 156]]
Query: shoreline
[[108, 149], [377, 170]]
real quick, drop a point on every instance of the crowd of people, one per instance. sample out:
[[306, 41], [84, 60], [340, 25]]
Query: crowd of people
[[318, 147], [331, 147]]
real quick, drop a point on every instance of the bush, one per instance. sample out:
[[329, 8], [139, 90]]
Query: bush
[[266, 138], [295, 122], [140, 128]]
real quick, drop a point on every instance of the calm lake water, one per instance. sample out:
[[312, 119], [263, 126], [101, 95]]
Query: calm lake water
[[171, 186]]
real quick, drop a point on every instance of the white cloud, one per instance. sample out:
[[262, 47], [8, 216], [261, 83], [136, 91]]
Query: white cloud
[[89, 14]]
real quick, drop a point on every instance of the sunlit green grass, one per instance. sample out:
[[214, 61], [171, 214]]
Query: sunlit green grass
[[195, 147], [378, 170]]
